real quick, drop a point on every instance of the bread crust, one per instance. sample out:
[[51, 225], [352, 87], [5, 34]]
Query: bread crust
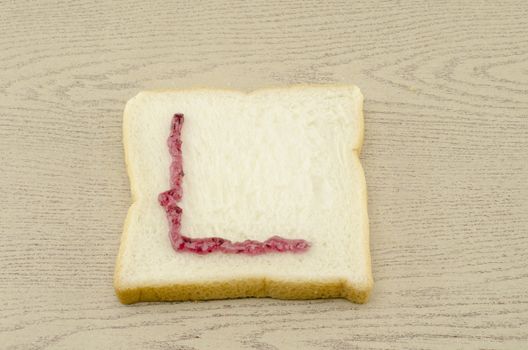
[[246, 287], [243, 288]]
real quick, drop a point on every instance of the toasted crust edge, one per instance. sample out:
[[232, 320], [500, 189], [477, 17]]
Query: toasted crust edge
[[243, 288], [250, 287]]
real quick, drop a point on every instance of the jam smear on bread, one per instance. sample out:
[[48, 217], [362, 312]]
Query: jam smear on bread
[[169, 201]]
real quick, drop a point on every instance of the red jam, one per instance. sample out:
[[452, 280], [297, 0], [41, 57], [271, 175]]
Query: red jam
[[169, 201]]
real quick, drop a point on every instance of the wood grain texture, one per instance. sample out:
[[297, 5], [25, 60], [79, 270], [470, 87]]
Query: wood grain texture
[[445, 155]]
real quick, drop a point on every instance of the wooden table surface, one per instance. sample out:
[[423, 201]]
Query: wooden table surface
[[445, 155]]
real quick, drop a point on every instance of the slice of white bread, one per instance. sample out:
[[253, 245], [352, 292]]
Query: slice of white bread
[[278, 161]]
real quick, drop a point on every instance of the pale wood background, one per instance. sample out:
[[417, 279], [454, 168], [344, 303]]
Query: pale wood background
[[446, 160]]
